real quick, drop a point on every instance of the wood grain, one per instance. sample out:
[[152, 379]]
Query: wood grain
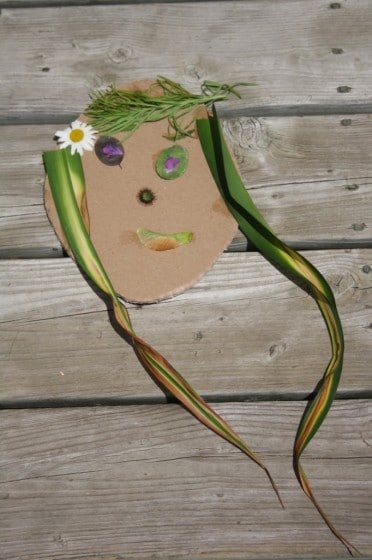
[[301, 54], [150, 482], [244, 331], [311, 178], [59, 3], [144, 480]]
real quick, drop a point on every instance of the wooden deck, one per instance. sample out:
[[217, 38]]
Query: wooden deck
[[94, 463]]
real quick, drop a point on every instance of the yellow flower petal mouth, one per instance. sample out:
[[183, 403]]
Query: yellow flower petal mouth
[[156, 241]]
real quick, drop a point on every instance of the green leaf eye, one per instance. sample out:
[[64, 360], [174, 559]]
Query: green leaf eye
[[172, 162]]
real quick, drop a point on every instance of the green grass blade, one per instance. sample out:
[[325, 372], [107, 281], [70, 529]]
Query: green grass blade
[[301, 271], [66, 177]]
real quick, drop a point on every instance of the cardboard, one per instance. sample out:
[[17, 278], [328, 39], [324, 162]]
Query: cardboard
[[188, 203]]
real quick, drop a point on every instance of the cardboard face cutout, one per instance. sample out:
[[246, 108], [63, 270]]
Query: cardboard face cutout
[[127, 201], [156, 222]]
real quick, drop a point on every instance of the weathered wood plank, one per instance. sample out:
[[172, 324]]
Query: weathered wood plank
[[110, 483], [149, 482], [299, 53], [310, 176], [25, 230], [244, 331], [46, 3], [318, 164], [60, 3]]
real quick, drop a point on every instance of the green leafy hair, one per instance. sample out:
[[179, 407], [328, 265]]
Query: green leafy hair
[[114, 110]]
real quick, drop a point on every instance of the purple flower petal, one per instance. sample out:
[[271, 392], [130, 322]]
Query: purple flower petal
[[109, 150], [171, 163], [112, 150]]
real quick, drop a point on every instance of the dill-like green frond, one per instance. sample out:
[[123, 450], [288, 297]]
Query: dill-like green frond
[[115, 110]]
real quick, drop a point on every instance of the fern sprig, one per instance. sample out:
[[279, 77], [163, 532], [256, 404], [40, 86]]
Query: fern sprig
[[114, 111]]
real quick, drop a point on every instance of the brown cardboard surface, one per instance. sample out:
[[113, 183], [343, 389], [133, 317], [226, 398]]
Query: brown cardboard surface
[[188, 203]]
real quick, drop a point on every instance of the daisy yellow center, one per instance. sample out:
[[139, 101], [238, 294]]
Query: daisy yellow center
[[76, 135]]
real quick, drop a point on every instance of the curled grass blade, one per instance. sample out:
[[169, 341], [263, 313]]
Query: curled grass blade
[[301, 271], [62, 168]]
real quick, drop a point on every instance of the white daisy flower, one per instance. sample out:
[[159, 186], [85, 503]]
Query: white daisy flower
[[79, 136]]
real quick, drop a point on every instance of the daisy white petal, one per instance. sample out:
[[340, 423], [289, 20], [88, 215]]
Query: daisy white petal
[[61, 133], [64, 145]]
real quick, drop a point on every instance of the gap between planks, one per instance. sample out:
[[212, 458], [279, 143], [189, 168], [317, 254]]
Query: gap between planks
[[224, 111], [108, 402], [13, 4]]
